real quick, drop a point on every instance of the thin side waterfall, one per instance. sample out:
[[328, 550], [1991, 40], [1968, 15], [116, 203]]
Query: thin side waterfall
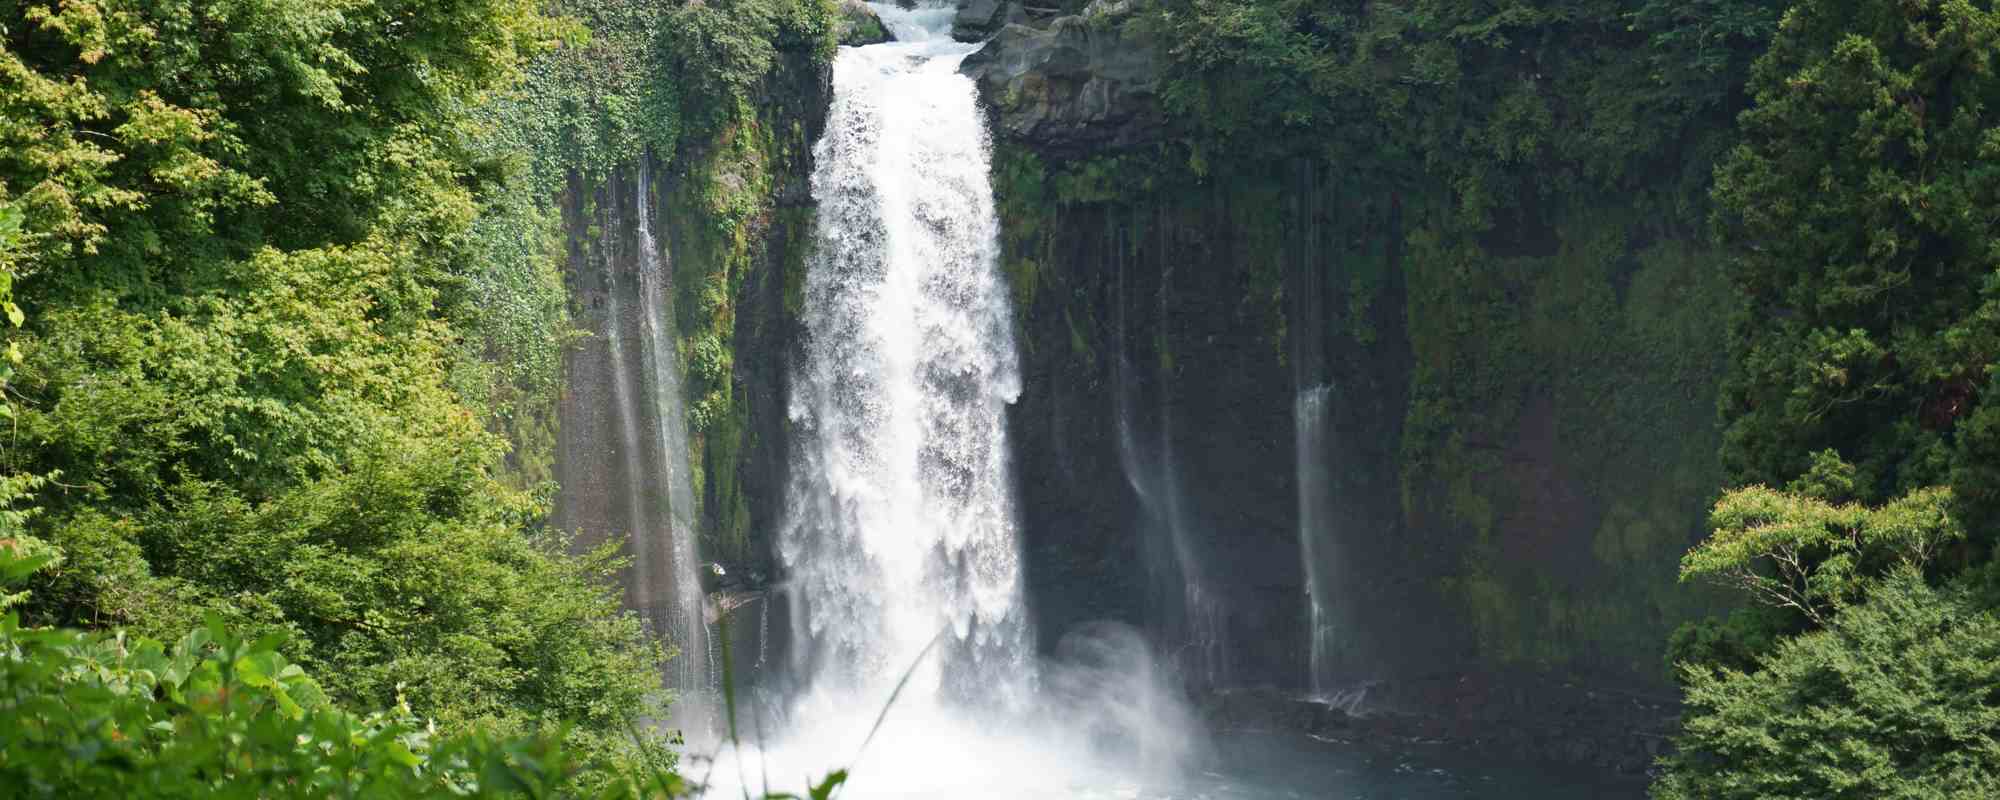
[[639, 589], [1307, 290], [901, 526], [693, 677], [1191, 627], [1315, 482], [621, 456]]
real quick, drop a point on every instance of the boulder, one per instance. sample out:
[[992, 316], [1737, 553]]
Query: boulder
[[1080, 85], [979, 19], [860, 25]]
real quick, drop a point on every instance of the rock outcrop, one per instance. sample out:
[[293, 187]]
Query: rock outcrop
[[979, 19], [1073, 85], [860, 25]]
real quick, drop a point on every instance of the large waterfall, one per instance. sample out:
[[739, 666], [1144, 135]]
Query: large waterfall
[[901, 520], [900, 544]]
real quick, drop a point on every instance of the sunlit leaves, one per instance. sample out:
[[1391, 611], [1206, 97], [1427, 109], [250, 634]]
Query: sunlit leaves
[[1814, 557]]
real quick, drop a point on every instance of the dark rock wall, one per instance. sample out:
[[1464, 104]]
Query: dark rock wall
[[1522, 438], [732, 214]]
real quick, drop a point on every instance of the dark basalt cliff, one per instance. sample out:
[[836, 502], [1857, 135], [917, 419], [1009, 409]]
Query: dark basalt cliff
[[731, 219], [1506, 428], [1517, 434], [1073, 85]]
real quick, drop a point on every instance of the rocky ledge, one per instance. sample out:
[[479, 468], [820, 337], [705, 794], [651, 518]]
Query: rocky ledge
[[1615, 733], [1070, 85]]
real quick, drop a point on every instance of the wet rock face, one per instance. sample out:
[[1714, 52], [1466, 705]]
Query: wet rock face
[[979, 19], [1068, 86]]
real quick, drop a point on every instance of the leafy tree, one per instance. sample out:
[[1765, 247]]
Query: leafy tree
[[1893, 699], [219, 715], [261, 242], [1860, 201], [1814, 558]]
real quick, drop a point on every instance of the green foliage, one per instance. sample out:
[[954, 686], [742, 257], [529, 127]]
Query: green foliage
[[1814, 558], [722, 51], [216, 716], [219, 715], [287, 459], [288, 266], [151, 142], [598, 100], [1507, 104], [1894, 699], [1733, 641], [859, 25], [1859, 205]]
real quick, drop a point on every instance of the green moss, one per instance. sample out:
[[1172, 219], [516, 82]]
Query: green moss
[[1511, 350]]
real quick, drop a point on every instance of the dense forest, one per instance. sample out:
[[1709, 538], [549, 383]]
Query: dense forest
[[287, 319]]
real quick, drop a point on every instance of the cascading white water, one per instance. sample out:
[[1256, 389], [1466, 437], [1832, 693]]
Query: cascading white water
[[901, 521], [900, 541], [1315, 483]]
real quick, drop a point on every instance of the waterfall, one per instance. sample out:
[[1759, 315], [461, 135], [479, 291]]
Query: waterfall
[[1192, 625], [687, 618], [1308, 292], [1315, 482], [900, 544], [622, 459], [901, 524]]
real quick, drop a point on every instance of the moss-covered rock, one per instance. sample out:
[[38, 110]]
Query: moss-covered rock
[[860, 25], [1078, 85]]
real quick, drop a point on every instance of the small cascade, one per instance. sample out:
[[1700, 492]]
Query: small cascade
[[622, 460], [1309, 294], [694, 677]]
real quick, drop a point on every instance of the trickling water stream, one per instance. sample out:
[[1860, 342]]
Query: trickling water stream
[[1189, 614], [1315, 480], [688, 618]]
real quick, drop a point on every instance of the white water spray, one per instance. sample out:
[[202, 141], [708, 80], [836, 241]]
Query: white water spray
[[902, 521]]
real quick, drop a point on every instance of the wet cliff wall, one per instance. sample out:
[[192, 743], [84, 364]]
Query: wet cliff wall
[[1521, 435], [728, 211]]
